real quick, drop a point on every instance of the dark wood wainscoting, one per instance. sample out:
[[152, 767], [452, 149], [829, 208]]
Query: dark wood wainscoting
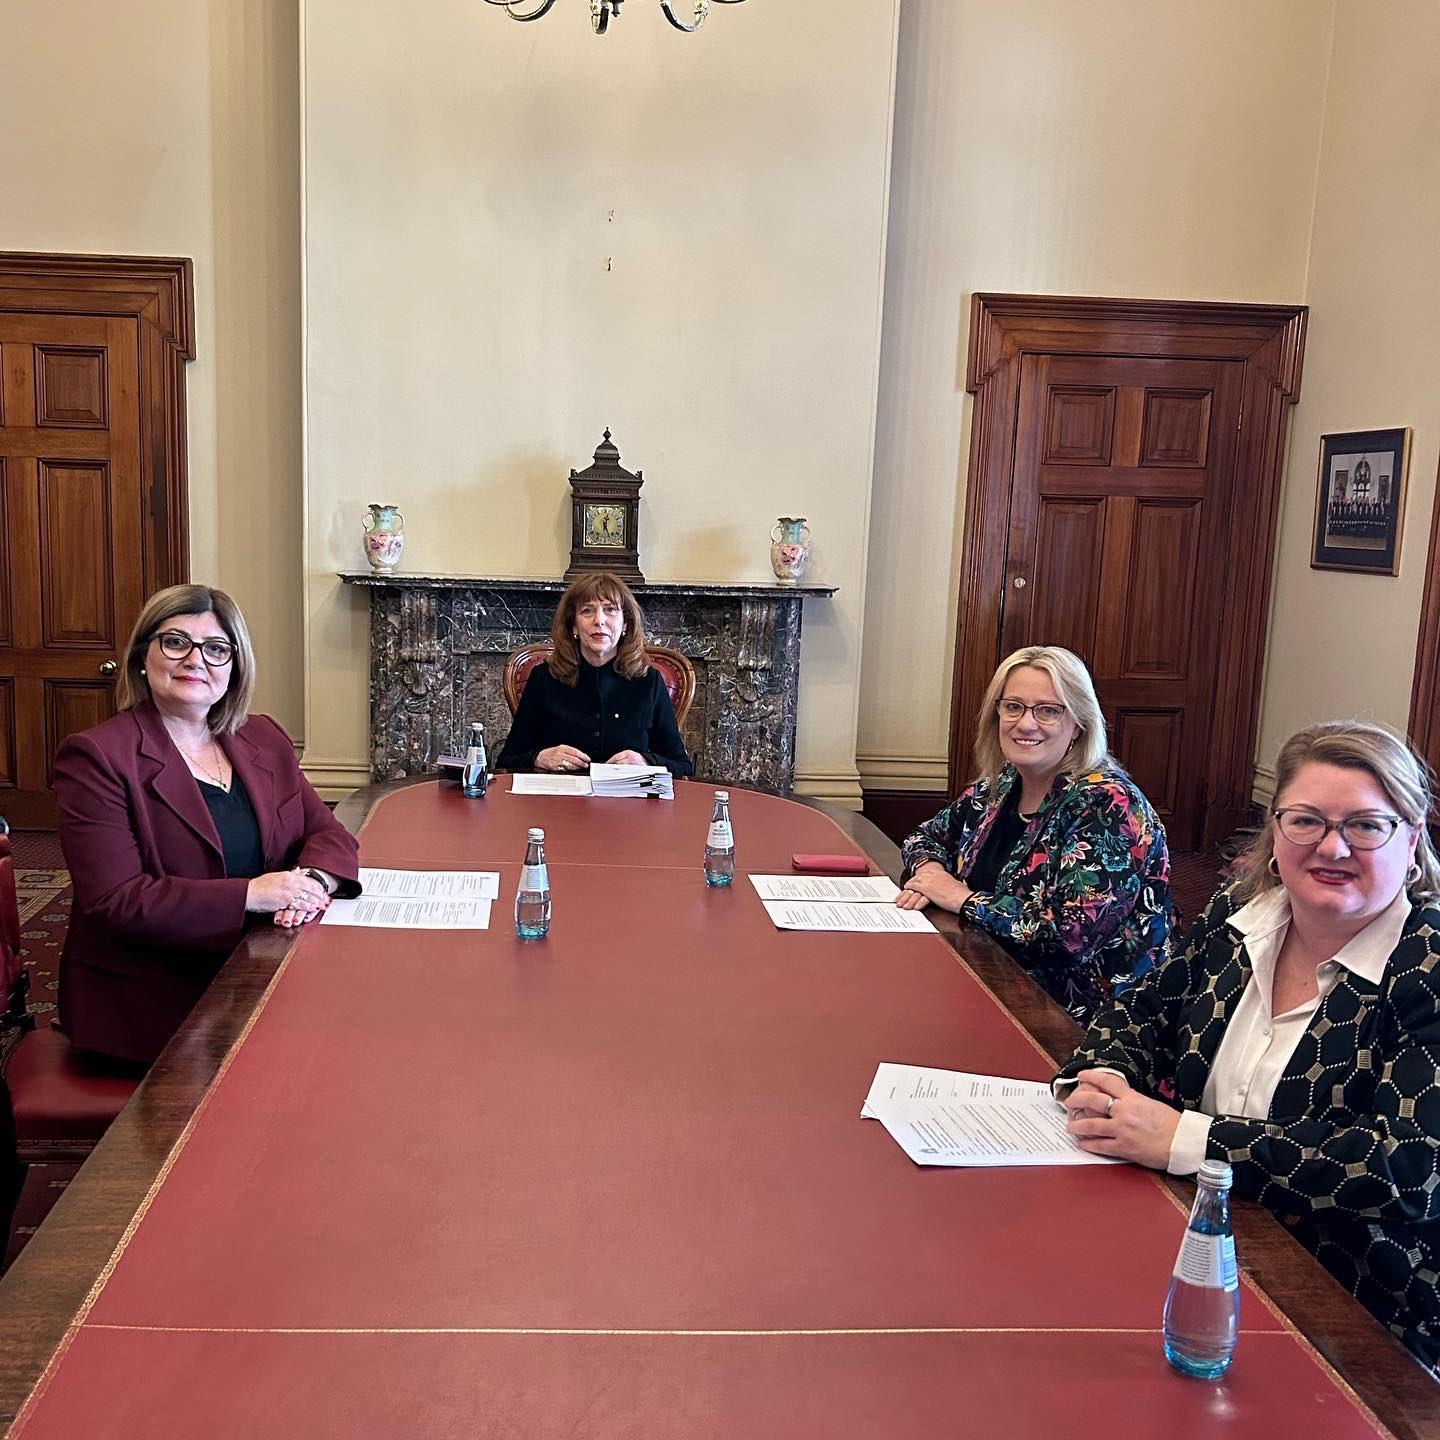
[[898, 812]]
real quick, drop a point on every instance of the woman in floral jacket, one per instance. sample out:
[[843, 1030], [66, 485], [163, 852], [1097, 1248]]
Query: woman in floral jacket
[[1053, 851]]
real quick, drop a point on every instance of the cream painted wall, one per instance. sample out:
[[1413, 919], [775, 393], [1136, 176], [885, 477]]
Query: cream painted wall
[[1341, 644], [1118, 147], [519, 234], [188, 148]]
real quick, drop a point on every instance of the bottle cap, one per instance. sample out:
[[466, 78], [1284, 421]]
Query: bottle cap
[[1216, 1173], [722, 794], [537, 834], [476, 727]]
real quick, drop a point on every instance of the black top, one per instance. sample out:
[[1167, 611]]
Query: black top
[[602, 713], [234, 818], [1004, 835]]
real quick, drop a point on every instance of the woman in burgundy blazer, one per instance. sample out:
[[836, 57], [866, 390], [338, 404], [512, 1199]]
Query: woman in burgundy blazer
[[183, 819]]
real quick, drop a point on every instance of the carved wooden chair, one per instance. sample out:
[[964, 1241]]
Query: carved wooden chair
[[676, 672]]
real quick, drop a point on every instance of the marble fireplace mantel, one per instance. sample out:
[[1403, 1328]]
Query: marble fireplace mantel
[[438, 644]]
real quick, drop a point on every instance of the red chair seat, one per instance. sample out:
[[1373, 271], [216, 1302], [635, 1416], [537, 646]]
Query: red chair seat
[[62, 1100]]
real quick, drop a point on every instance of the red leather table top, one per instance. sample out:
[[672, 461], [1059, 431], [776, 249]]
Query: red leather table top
[[616, 1184]]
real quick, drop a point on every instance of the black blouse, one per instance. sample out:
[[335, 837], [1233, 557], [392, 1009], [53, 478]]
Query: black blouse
[[234, 818], [602, 713], [1004, 835]]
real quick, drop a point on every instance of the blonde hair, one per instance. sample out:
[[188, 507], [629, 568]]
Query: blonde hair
[[230, 711], [1352, 745], [590, 585], [1076, 690]]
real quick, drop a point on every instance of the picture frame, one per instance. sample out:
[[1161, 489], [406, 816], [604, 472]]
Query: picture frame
[[1360, 501]]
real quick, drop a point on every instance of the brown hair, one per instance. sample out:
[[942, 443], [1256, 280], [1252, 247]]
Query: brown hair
[[229, 712], [1352, 745], [1076, 690], [590, 585]]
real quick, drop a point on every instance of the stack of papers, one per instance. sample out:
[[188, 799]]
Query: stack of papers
[[545, 784], [951, 1117], [837, 902], [632, 781], [419, 900]]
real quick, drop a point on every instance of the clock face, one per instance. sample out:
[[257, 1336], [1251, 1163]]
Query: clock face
[[605, 526]]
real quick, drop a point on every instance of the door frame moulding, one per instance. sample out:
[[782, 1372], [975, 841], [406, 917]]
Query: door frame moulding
[[1424, 726], [1269, 340], [158, 292]]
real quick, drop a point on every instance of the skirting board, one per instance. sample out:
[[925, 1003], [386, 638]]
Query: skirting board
[[1262, 786], [842, 787], [904, 772], [336, 779]]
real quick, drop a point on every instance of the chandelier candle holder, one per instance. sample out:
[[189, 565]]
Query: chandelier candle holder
[[603, 11]]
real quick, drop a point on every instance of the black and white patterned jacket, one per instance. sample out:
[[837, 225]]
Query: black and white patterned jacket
[[1349, 1155]]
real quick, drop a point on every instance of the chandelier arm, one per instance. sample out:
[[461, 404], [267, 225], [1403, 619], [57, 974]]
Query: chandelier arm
[[702, 8], [544, 9]]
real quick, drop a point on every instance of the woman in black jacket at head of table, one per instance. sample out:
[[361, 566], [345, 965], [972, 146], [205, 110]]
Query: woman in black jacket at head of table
[[597, 699]]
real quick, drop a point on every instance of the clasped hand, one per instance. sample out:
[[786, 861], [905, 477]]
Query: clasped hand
[[567, 757], [933, 884], [291, 896], [1107, 1117]]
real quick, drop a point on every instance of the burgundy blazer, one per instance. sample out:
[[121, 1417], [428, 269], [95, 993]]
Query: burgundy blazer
[[154, 914]]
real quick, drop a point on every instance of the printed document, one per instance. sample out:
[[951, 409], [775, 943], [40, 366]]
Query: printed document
[[389, 912], [880, 889], [419, 900], [550, 785], [947, 1117], [842, 915]]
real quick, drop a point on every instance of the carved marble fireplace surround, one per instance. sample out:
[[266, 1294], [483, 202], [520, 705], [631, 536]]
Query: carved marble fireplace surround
[[438, 644]]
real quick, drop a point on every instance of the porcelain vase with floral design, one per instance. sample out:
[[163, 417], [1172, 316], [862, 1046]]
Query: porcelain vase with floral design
[[384, 538], [789, 548]]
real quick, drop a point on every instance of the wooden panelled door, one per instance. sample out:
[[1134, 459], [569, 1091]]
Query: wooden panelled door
[[70, 479], [1124, 482], [1117, 549], [77, 556]]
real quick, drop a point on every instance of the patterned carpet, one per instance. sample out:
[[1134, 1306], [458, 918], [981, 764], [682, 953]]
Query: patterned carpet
[[42, 885]]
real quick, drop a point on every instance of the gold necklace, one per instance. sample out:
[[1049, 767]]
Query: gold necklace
[[209, 773]]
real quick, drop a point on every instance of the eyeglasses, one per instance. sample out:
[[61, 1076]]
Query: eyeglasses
[[1045, 714], [1359, 832], [176, 645]]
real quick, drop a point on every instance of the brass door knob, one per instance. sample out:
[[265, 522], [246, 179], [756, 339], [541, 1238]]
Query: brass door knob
[[108, 667]]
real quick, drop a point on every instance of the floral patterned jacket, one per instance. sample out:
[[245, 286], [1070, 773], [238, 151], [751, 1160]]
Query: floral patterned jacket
[[1083, 902], [1349, 1155]]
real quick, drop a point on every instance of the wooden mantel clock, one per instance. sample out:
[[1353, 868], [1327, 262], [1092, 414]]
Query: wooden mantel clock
[[605, 516]]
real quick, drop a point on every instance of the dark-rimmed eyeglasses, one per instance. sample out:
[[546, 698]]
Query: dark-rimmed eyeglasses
[[176, 645], [1046, 715], [1367, 831]]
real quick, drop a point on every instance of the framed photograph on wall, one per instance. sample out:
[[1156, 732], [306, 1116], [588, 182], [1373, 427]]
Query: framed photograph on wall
[[1360, 503]]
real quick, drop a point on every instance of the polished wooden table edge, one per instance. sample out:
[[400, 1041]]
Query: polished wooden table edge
[[44, 1291]]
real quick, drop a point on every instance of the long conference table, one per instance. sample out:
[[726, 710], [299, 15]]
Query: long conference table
[[449, 1184]]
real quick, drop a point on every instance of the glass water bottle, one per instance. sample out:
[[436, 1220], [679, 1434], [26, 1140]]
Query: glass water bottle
[[1202, 1308], [720, 843], [473, 779], [532, 899]]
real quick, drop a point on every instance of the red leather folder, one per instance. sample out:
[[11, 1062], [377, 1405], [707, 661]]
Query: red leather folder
[[831, 864]]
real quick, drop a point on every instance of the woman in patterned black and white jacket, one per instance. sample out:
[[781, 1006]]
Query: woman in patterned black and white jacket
[[1297, 1036]]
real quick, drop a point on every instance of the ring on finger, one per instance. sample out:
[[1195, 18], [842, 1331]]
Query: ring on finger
[[1110, 1106]]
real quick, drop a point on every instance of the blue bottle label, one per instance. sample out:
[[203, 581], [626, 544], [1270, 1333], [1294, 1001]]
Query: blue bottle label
[[1207, 1261]]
